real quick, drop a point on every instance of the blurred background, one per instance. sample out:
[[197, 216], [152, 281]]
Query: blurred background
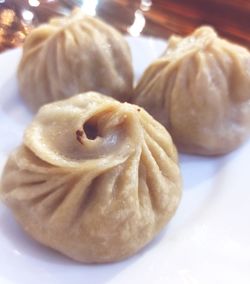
[[158, 18]]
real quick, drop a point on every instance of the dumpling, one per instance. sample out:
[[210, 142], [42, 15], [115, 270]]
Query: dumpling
[[95, 179], [199, 89], [74, 54]]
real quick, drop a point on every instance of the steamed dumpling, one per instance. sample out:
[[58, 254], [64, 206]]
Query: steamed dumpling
[[95, 179], [74, 54], [200, 90]]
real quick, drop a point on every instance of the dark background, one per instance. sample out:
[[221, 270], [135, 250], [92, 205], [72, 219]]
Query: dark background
[[231, 18]]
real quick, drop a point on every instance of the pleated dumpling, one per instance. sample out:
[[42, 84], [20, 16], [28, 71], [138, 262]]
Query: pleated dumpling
[[199, 89], [74, 54], [95, 179]]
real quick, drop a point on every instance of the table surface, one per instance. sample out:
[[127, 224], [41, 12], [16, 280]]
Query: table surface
[[159, 18]]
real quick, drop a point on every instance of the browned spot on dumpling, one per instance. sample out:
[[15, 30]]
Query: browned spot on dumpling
[[79, 136]]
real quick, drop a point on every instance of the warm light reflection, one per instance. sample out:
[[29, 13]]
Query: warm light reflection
[[27, 15], [145, 5], [34, 3], [17, 38], [7, 17], [2, 35], [89, 7], [139, 23]]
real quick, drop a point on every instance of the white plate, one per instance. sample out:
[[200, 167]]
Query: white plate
[[208, 241]]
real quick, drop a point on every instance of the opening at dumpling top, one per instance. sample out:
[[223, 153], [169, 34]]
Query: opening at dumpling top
[[89, 131]]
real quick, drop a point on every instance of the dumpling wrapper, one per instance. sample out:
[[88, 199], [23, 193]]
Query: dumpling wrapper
[[200, 90], [94, 179], [71, 55]]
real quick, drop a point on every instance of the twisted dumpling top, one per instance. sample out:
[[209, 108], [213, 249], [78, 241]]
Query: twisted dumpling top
[[91, 129]]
